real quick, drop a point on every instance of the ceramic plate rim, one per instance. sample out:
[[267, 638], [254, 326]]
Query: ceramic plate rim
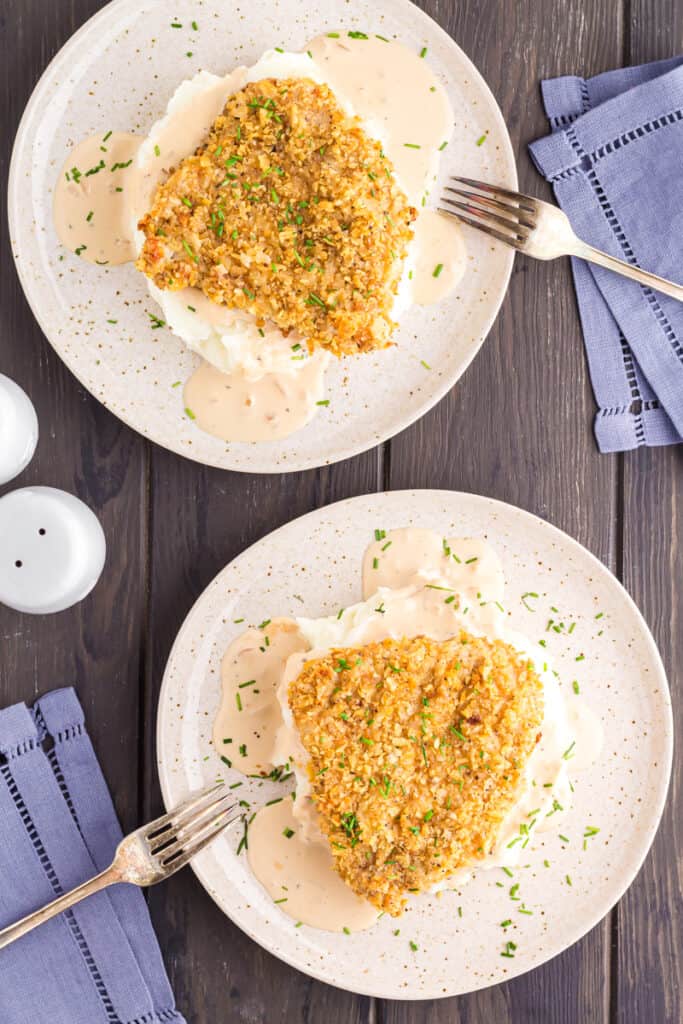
[[342, 452], [577, 932]]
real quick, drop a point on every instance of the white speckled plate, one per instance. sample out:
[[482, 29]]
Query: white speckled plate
[[117, 73], [312, 567]]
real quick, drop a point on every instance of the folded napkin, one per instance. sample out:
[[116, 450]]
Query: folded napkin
[[615, 161], [100, 961]]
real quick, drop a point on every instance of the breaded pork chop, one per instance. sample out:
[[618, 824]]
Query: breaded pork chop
[[417, 752], [289, 211]]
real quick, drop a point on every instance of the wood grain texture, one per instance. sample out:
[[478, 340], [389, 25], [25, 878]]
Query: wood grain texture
[[516, 427], [648, 981]]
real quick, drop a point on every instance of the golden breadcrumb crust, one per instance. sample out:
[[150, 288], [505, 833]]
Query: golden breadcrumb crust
[[417, 751], [289, 211]]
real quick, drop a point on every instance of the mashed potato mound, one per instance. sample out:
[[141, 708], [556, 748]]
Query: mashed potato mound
[[289, 211], [417, 751]]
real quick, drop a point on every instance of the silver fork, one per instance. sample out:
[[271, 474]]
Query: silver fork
[[537, 229], [148, 855]]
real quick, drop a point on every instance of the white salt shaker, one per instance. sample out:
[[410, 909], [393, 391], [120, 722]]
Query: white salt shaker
[[52, 549], [18, 429]]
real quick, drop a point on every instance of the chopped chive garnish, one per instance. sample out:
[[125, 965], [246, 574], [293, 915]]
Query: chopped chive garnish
[[411, 145], [238, 701], [189, 251], [437, 270], [481, 140], [324, 401], [442, 146], [190, 415]]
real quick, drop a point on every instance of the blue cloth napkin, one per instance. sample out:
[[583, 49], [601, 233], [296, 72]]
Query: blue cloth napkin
[[100, 961], [615, 161]]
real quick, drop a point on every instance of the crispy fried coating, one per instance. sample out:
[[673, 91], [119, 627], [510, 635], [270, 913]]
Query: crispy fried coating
[[417, 752], [289, 211]]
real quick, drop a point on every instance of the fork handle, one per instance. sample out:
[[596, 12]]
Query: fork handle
[[603, 259], [31, 921]]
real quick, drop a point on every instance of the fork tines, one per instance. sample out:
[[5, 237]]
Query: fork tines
[[176, 837], [505, 215]]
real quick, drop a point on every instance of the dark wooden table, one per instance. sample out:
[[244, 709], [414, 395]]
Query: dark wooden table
[[171, 525]]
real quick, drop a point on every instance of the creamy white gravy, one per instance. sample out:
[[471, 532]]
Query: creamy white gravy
[[249, 715], [301, 873], [408, 576], [440, 257], [235, 407], [94, 198]]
